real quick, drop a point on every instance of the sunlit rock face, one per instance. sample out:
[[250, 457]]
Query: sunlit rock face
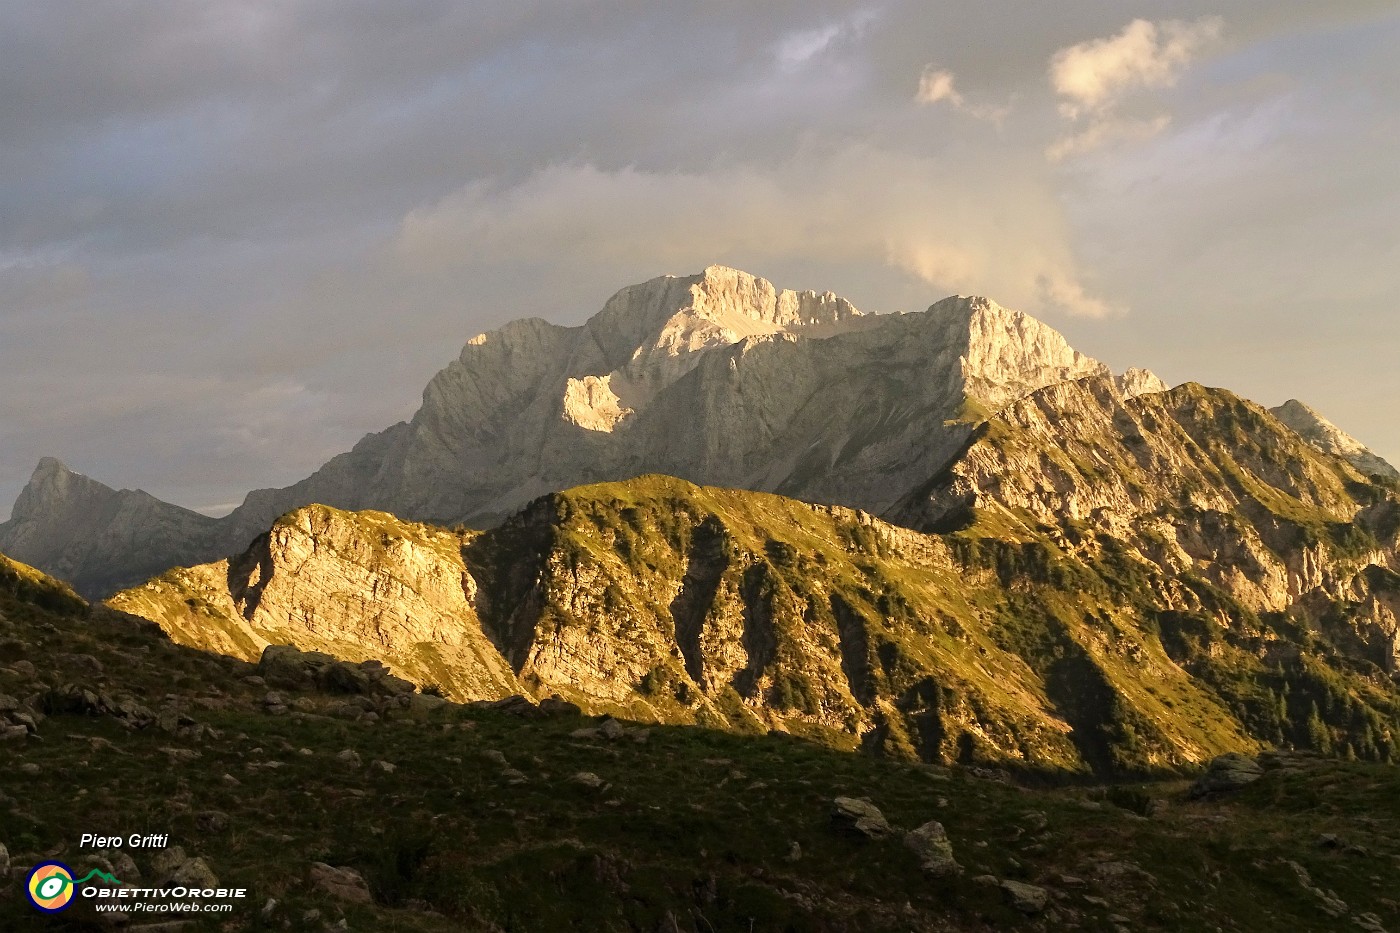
[[718, 377], [1325, 435]]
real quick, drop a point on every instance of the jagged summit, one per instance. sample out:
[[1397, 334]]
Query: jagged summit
[[719, 378], [1325, 435]]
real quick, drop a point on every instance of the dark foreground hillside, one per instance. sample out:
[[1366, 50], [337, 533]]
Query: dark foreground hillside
[[430, 816]]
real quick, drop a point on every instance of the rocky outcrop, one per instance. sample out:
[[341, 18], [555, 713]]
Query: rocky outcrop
[[1327, 437], [718, 378], [1227, 773], [1018, 638], [361, 587]]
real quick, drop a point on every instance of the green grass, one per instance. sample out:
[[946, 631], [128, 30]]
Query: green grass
[[694, 824]]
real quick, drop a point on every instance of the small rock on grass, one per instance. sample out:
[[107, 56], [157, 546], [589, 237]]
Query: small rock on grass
[[343, 883], [1027, 898], [930, 843], [860, 815]]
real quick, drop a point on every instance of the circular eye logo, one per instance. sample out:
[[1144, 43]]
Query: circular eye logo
[[50, 887]]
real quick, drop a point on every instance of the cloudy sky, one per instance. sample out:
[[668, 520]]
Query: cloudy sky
[[236, 235]]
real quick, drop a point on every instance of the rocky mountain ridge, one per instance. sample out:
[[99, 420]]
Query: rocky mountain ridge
[[718, 378], [1102, 581]]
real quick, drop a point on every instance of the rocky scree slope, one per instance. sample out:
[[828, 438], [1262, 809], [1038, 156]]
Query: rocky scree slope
[[718, 378], [1063, 640]]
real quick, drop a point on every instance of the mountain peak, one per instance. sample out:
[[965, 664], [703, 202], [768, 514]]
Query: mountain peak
[[1138, 381], [1326, 436], [1009, 353]]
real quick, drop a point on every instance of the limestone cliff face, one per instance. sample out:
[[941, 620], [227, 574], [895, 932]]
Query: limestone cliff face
[[357, 585], [1051, 645], [719, 378]]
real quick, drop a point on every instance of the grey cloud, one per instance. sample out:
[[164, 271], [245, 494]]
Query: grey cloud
[[234, 236]]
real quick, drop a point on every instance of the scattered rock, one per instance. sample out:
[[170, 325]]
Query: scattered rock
[[1027, 898], [173, 866], [1369, 922], [496, 756], [587, 733], [558, 706], [513, 776], [1227, 772], [515, 704], [212, 821], [344, 884], [383, 766], [426, 703], [344, 678], [349, 757], [180, 755], [587, 779], [4, 860], [930, 843], [1330, 903], [794, 853], [860, 815], [285, 666], [611, 729], [124, 868]]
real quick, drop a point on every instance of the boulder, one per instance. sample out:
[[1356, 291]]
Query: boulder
[[516, 705], [172, 866], [285, 666], [1227, 772], [1027, 898], [425, 703], [930, 843], [344, 884], [860, 815], [341, 677], [558, 706]]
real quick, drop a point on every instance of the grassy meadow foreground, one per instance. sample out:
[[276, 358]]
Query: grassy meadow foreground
[[529, 818]]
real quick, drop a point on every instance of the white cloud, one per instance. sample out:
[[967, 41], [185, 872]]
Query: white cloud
[[937, 85], [975, 227], [1093, 75], [1093, 78], [1104, 132]]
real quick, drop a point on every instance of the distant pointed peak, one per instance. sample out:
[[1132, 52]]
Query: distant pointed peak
[[49, 466], [1138, 381], [1327, 437], [1294, 407]]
